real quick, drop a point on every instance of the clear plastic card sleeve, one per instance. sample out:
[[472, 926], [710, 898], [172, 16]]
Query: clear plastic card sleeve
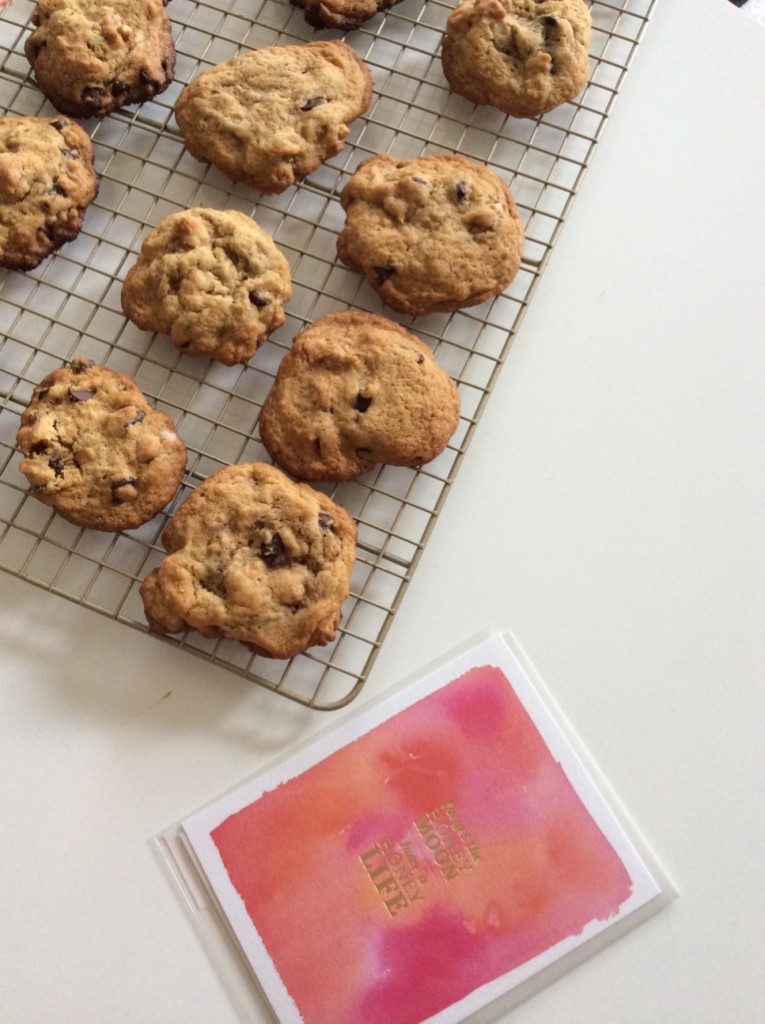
[[437, 857]]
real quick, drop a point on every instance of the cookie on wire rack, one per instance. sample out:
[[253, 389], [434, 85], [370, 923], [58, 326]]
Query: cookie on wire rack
[[341, 14], [255, 557], [271, 116], [96, 451], [524, 57], [213, 280], [356, 390], [47, 181], [431, 234], [91, 57]]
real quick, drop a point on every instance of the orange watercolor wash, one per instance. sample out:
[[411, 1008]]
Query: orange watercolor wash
[[434, 854]]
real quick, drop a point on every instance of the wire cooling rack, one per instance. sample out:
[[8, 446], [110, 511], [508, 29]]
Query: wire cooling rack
[[70, 305]]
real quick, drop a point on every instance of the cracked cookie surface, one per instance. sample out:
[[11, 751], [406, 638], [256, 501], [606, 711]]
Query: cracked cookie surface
[[96, 451], [91, 57], [524, 57], [271, 116], [356, 390], [255, 557], [432, 234], [213, 280], [47, 181]]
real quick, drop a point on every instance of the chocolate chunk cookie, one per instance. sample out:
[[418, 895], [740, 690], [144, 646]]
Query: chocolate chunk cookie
[[342, 14], [270, 117], [93, 56], [211, 279], [256, 557], [523, 56], [47, 180], [96, 451], [355, 390], [431, 234]]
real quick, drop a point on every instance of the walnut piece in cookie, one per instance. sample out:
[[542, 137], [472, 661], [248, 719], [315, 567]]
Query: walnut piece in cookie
[[271, 116], [524, 57], [353, 391], [255, 557], [341, 14], [435, 233], [47, 181], [96, 451], [91, 57], [211, 279]]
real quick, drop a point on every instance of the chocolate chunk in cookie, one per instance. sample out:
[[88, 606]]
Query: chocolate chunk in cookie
[[254, 556], [431, 234], [211, 279], [341, 14], [525, 57], [270, 117], [91, 57], [353, 391], [47, 181], [96, 451]]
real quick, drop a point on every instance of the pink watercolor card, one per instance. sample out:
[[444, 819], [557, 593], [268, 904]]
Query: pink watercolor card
[[424, 858]]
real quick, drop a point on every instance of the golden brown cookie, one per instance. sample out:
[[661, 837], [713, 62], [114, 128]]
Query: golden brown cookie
[[91, 57], [523, 56], [431, 234], [353, 391], [341, 14], [254, 556], [272, 116], [47, 181], [96, 451], [211, 279]]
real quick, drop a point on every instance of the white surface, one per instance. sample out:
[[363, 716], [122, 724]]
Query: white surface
[[609, 513], [756, 10]]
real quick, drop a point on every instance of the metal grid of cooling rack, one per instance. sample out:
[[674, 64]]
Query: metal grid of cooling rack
[[70, 305]]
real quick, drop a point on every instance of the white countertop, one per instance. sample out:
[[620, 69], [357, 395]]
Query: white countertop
[[755, 9], [609, 513]]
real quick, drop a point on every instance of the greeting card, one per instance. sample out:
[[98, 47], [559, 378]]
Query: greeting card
[[430, 854]]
